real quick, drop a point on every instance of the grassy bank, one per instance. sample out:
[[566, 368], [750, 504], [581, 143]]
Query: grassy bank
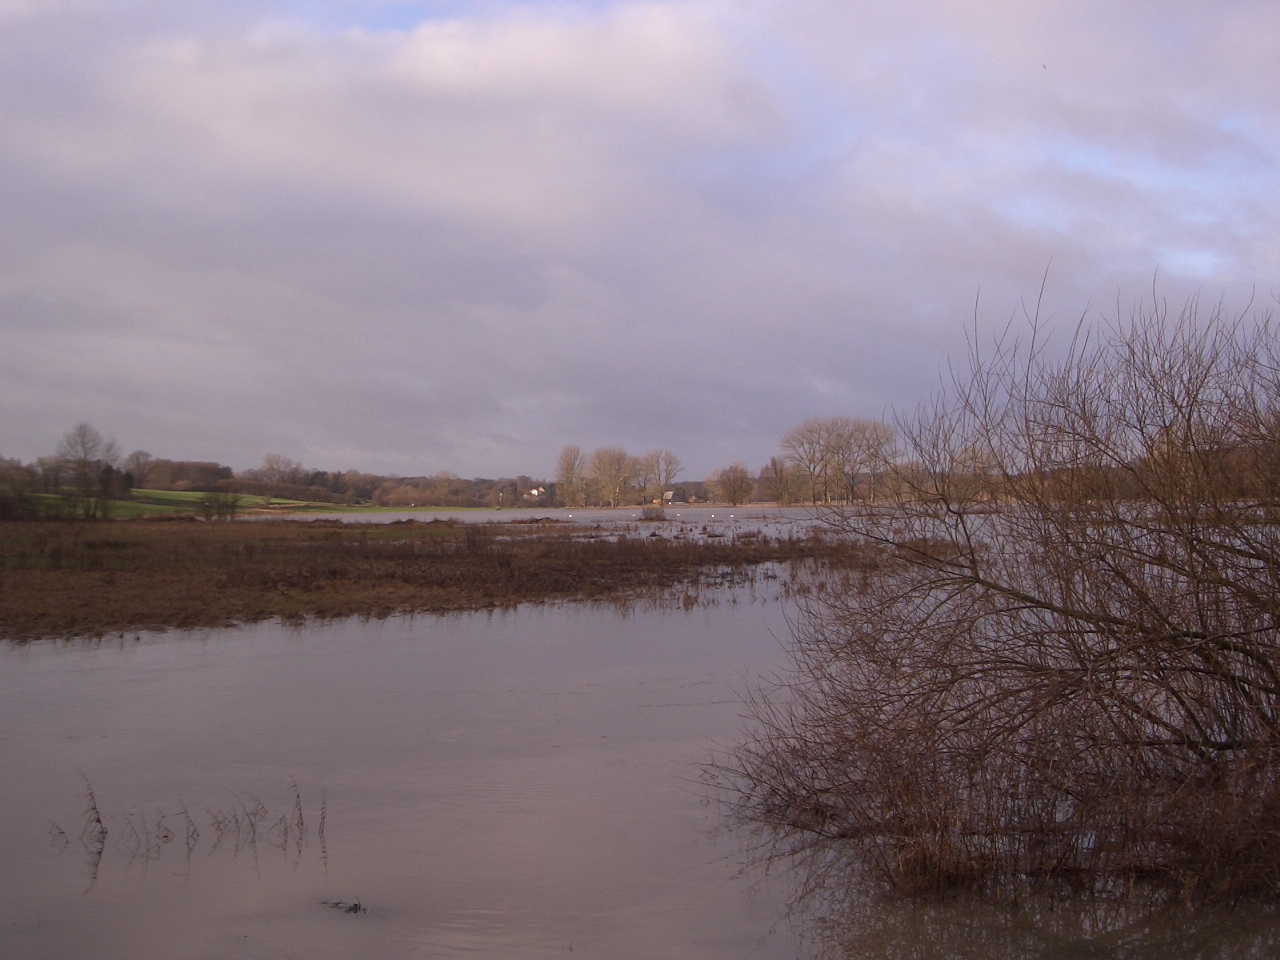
[[65, 579]]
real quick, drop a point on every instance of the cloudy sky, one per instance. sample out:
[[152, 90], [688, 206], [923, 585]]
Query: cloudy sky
[[415, 236]]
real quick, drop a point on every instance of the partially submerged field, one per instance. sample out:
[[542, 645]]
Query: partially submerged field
[[69, 579]]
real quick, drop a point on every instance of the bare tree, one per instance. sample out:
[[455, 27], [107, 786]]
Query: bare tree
[[669, 467], [52, 472], [861, 453], [846, 452], [733, 484], [841, 458], [17, 482], [612, 469], [877, 448], [805, 447], [138, 464], [277, 468], [778, 482], [646, 479], [656, 472], [90, 462], [571, 470], [1057, 665]]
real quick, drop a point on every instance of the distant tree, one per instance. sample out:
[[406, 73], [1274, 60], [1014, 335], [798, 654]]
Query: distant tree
[[17, 481], [220, 506], [779, 482], [207, 506], [612, 470], [858, 454], [90, 461], [14, 474], [733, 484], [877, 447], [806, 447], [358, 486], [571, 472], [504, 493], [669, 467], [840, 458], [139, 464], [165, 474], [656, 472], [277, 468], [647, 468], [52, 472]]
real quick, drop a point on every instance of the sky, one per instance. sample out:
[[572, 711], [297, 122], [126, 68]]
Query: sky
[[407, 237]]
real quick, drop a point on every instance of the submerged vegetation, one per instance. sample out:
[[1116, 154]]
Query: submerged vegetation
[[144, 832], [72, 579]]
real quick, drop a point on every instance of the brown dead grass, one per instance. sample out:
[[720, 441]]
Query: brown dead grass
[[67, 579]]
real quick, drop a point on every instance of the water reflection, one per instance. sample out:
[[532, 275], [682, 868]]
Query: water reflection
[[142, 833], [505, 785], [497, 785], [674, 523], [875, 928]]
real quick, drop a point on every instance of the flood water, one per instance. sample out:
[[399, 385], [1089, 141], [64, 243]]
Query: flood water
[[681, 520], [518, 784], [752, 513]]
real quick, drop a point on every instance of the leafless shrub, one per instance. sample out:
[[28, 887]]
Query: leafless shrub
[[220, 506], [1064, 674]]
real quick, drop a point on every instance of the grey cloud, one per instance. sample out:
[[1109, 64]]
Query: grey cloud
[[463, 244]]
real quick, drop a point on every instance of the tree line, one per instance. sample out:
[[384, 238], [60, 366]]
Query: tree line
[[823, 460], [88, 474], [611, 477]]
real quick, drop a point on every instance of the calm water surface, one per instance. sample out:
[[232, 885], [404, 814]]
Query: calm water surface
[[488, 785]]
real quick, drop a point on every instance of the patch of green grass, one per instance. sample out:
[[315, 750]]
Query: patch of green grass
[[142, 504], [171, 502], [133, 510], [167, 498], [313, 506]]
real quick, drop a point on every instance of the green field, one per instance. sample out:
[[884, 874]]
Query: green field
[[142, 504], [159, 503]]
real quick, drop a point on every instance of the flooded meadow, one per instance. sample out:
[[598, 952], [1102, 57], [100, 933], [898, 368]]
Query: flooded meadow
[[516, 783], [508, 784]]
